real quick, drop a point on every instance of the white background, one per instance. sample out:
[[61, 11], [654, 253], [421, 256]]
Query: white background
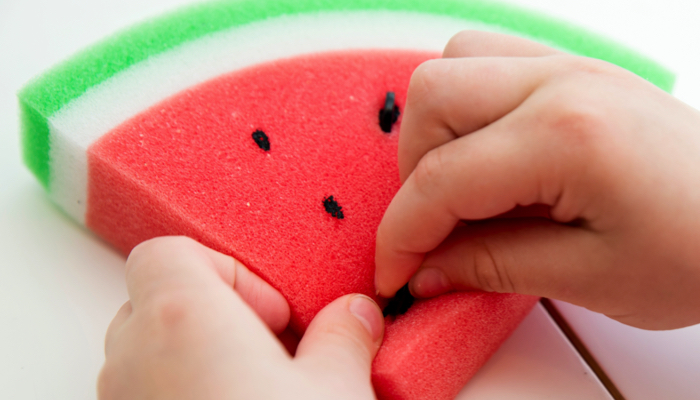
[[60, 285]]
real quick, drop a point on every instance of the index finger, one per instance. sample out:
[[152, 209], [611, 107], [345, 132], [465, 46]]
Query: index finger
[[448, 98], [472, 176], [472, 43]]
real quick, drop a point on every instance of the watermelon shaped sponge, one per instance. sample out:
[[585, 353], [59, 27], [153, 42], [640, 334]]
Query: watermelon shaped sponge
[[254, 127]]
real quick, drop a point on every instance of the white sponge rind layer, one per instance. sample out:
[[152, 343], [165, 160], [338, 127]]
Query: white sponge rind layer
[[102, 108]]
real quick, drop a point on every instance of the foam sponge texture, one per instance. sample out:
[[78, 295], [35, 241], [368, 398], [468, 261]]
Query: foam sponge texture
[[197, 165], [50, 92], [280, 164], [190, 166], [441, 341]]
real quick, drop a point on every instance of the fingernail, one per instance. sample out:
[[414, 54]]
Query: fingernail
[[429, 282], [368, 313]]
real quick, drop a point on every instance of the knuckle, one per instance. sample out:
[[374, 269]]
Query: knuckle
[[578, 120], [577, 123], [491, 274], [171, 311], [424, 81], [171, 320], [429, 170], [461, 42], [587, 65]]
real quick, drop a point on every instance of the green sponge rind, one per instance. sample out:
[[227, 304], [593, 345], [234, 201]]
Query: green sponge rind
[[48, 93], [35, 142]]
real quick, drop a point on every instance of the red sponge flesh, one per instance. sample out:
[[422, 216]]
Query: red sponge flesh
[[285, 167], [439, 344], [191, 166]]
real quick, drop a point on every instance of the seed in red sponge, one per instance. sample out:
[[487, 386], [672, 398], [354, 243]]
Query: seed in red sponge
[[298, 200]]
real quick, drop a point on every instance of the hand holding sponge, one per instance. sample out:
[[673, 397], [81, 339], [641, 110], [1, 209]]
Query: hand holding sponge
[[255, 128]]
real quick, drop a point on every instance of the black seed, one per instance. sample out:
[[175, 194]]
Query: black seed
[[389, 114], [261, 140], [333, 208], [400, 303]]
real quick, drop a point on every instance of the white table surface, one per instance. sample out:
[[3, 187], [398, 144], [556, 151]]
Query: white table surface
[[644, 365], [60, 285]]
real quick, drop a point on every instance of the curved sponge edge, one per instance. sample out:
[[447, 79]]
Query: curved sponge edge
[[405, 366], [48, 93]]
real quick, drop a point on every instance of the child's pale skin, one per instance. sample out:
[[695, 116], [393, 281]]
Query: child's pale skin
[[499, 122], [502, 122], [187, 334]]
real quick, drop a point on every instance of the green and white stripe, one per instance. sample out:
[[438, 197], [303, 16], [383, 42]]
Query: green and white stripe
[[71, 106]]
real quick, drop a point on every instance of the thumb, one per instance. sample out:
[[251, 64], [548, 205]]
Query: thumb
[[341, 342], [533, 256]]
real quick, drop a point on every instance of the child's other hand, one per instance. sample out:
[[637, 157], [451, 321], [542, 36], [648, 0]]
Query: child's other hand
[[501, 122], [186, 334]]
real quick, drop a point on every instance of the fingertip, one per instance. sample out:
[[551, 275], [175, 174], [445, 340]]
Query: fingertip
[[385, 272], [383, 283], [278, 313], [344, 336], [380, 281], [379, 285], [370, 316], [429, 282], [393, 268]]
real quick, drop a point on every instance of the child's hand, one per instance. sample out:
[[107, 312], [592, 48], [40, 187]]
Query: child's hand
[[502, 122], [186, 334]]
